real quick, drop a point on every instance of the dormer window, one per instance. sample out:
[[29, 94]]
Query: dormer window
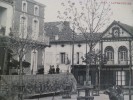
[[24, 6], [115, 32], [36, 10]]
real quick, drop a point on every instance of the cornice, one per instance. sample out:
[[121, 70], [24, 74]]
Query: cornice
[[8, 1]]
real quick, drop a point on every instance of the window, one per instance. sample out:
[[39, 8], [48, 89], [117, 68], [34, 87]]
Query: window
[[120, 78], [23, 27], [24, 6], [34, 56], [62, 58], [36, 10], [115, 31], [35, 29], [109, 52], [77, 57], [122, 53]]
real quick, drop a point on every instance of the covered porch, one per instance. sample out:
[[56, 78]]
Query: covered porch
[[107, 76]]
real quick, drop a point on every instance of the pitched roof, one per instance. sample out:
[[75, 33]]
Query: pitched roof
[[54, 28], [64, 33], [61, 32], [36, 2], [65, 37], [68, 37], [126, 27]]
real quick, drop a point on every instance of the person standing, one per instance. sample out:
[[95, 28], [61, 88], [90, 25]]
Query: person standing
[[57, 69], [53, 70], [50, 70]]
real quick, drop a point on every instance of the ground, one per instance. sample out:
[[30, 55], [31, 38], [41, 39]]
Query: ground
[[74, 97]]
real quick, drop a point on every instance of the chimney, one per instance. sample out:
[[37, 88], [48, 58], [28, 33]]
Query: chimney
[[118, 21]]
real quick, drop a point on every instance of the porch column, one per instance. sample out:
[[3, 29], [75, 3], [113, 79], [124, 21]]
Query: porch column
[[130, 70], [100, 63]]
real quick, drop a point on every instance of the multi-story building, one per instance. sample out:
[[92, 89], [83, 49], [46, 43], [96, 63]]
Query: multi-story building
[[28, 22], [114, 44], [29, 19], [6, 15]]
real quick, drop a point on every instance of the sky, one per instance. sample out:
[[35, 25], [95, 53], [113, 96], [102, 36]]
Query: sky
[[122, 12]]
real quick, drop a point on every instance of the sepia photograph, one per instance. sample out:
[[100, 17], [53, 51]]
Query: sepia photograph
[[66, 49]]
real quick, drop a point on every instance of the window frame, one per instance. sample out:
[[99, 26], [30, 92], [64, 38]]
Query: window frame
[[34, 61], [122, 53], [109, 52], [120, 78], [78, 59], [62, 57], [35, 31], [24, 10], [23, 25], [36, 13]]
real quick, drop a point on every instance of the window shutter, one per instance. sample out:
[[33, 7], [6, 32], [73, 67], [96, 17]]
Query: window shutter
[[75, 59], [58, 58], [66, 58], [80, 55]]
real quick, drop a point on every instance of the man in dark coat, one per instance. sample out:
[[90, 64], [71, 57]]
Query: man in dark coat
[[57, 69]]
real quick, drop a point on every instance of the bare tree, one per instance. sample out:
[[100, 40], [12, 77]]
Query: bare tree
[[88, 17], [22, 43]]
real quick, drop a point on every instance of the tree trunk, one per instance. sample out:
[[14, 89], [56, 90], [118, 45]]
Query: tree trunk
[[88, 82], [20, 63], [5, 63], [20, 95]]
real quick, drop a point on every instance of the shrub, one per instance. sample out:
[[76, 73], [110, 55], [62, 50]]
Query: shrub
[[36, 84]]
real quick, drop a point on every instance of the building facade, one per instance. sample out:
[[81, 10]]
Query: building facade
[[28, 23], [6, 16], [29, 16], [114, 43]]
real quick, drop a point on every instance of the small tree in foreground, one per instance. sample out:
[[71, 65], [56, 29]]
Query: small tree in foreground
[[23, 43], [88, 17]]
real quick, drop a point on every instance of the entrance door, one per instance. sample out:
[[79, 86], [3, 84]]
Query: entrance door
[[81, 77]]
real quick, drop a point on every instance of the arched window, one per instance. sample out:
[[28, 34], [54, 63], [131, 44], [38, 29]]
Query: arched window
[[23, 27], [36, 10], [34, 56], [122, 54], [109, 53], [35, 28], [24, 6]]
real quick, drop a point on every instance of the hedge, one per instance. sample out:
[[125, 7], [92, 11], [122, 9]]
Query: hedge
[[35, 84]]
